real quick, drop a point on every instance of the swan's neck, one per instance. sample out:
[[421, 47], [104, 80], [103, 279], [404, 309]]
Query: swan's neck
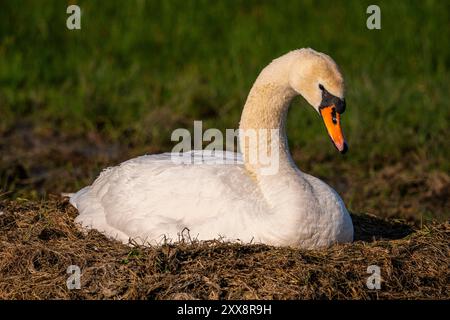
[[264, 116], [286, 190]]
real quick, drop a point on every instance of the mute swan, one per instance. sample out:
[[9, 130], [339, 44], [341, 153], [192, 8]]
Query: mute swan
[[151, 197]]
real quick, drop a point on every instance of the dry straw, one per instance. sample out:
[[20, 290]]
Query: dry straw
[[38, 241]]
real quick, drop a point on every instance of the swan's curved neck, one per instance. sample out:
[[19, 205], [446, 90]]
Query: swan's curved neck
[[264, 115], [286, 190]]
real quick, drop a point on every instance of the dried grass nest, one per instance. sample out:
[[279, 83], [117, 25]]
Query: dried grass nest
[[39, 240]]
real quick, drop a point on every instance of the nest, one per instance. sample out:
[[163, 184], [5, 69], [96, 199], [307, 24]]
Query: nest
[[39, 241]]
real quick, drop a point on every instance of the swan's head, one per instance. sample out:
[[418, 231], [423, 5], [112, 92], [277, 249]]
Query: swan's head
[[317, 78]]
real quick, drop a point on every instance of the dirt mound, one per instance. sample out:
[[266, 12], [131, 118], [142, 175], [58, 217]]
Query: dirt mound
[[38, 241]]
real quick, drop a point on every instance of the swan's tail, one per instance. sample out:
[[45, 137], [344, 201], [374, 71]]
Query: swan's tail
[[70, 196], [67, 195], [73, 197]]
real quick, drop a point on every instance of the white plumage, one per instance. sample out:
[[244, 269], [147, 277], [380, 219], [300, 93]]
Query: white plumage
[[153, 197]]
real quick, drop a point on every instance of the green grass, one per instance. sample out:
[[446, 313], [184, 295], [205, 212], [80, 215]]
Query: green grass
[[139, 69]]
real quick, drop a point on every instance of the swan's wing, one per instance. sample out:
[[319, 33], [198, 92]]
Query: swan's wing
[[159, 194]]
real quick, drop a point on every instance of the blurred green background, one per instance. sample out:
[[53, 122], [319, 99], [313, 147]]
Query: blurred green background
[[72, 102]]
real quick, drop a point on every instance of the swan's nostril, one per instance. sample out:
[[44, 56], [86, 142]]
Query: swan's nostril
[[333, 115]]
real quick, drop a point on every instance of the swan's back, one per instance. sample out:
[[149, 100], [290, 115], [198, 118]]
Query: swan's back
[[157, 196]]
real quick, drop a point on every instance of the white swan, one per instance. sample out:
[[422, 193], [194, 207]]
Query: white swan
[[151, 197]]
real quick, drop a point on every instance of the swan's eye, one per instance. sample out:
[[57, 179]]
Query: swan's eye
[[321, 86]]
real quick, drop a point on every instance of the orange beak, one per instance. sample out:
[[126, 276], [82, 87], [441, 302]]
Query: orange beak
[[332, 121]]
